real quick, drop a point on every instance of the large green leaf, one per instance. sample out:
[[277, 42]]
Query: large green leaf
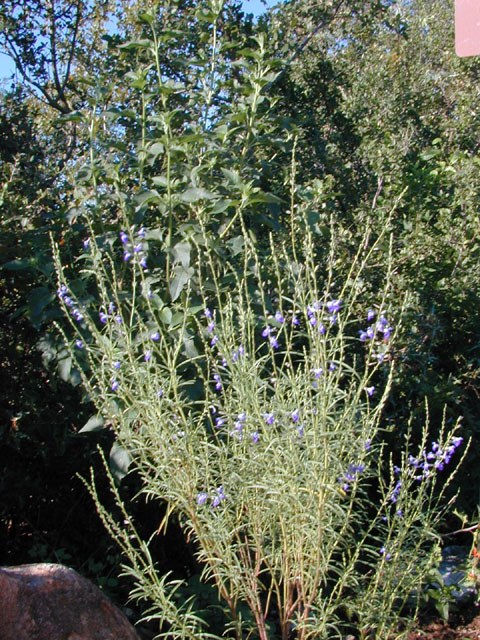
[[119, 461], [181, 253], [195, 194], [94, 423], [180, 279]]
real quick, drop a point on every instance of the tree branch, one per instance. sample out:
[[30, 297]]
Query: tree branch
[[74, 44], [53, 54], [305, 42]]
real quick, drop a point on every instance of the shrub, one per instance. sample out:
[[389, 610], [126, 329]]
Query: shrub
[[239, 379]]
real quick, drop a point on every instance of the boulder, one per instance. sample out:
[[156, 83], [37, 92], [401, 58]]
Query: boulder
[[454, 571], [53, 602]]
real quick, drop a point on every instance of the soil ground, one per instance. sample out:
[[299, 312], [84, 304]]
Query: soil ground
[[462, 625]]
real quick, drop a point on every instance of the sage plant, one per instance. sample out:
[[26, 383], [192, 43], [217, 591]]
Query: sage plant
[[240, 369], [275, 464]]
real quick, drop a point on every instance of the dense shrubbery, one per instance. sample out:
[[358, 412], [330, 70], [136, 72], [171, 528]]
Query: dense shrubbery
[[212, 168]]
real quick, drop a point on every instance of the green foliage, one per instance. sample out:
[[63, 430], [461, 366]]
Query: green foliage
[[274, 464], [220, 151], [386, 107], [215, 325]]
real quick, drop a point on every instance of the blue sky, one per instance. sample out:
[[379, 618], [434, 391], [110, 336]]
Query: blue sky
[[250, 6], [256, 7]]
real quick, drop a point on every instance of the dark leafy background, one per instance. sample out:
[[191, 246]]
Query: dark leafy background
[[380, 106]]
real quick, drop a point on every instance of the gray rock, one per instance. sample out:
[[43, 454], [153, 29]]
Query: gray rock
[[53, 602], [452, 568]]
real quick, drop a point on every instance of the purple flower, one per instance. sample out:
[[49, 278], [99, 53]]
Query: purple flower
[[79, 344], [111, 307], [211, 326], [267, 331], [295, 415], [126, 256], [396, 491], [219, 422], [77, 315], [148, 355], [218, 381], [332, 366], [123, 237], [363, 335], [311, 309], [333, 306], [207, 313], [118, 319], [155, 336], [273, 341], [160, 393], [116, 365], [413, 461], [370, 315], [269, 417], [383, 552], [202, 497], [300, 430], [103, 317], [240, 420], [143, 262], [279, 317], [138, 248], [214, 340], [382, 322], [318, 372], [295, 321], [86, 243], [115, 385], [370, 390], [368, 444], [219, 497], [351, 475], [255, 437], [321, 329], [141, 232], [370, 333]]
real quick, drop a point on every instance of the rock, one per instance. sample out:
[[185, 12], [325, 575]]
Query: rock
[[453, 569], [53, 602]]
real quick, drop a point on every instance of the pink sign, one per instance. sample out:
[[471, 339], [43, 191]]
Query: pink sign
[[467, 27]]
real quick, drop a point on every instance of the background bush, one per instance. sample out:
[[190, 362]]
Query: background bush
[[414, 135]]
